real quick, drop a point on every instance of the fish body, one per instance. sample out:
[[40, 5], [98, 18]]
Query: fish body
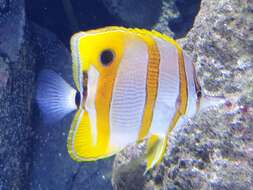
[[132, 84]]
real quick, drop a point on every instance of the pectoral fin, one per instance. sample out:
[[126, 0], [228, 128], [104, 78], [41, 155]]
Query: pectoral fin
[[55, 97], [155, 150]]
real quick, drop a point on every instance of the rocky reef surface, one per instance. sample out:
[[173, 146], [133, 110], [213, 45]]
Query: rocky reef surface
[[16, 86], [215, 149]]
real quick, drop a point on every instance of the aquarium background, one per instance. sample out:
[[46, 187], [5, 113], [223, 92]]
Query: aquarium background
[[213, 151]]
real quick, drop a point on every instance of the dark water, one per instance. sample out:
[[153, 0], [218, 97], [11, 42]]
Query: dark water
[[188, 10], [65, 17]]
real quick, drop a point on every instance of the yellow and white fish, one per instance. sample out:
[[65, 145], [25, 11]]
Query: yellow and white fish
[[132, 84]]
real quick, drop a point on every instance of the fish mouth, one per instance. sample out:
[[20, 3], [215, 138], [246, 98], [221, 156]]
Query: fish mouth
[[81, 96]]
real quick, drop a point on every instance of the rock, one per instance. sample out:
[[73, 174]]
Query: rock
[[127, 168], [172, 17], [142, 13], [16, 87], [12, 22], [169, 12], [214, 150]]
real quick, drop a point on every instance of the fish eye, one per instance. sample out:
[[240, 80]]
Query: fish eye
[[106, 57]]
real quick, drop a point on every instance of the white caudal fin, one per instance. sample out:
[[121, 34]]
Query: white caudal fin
[[55, 97], [209, 102]]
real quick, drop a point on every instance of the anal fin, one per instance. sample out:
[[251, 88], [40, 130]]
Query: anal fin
[[155, 150]]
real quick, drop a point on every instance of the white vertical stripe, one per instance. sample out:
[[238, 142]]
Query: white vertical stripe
[[192, 96], [90, 106], [129, 94], [168, 88], [79, 119]]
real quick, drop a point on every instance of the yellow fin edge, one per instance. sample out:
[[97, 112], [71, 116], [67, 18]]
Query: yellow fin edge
[[156, 148], [145, 31], [79, 144]]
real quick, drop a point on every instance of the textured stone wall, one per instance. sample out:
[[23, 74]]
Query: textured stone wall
[[16, 90]]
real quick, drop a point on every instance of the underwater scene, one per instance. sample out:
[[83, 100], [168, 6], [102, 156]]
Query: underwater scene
[[126, 95]]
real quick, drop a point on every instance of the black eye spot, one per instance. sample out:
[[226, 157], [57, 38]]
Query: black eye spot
[[107, 57]]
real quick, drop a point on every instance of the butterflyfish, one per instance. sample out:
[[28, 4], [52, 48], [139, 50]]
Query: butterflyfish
[[130, 85]]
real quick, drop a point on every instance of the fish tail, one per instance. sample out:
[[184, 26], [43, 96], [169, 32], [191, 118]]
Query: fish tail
[[209, 102], [54, 96]]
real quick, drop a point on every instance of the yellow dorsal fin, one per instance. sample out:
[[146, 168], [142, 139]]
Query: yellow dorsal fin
[[155, 150], [149, 32], [143, 32]]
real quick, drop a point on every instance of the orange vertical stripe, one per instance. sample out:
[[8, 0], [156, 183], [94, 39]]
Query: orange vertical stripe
[[151, 86], [183, 91], [183, 83], [103, 101]]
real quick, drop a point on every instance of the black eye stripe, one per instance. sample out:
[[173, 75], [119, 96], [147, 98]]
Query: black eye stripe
[[78, 99], [199, 94], [197, 88], [107, 57]]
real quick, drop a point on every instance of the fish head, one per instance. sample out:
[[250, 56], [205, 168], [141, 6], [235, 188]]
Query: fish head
[[97, 55]]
